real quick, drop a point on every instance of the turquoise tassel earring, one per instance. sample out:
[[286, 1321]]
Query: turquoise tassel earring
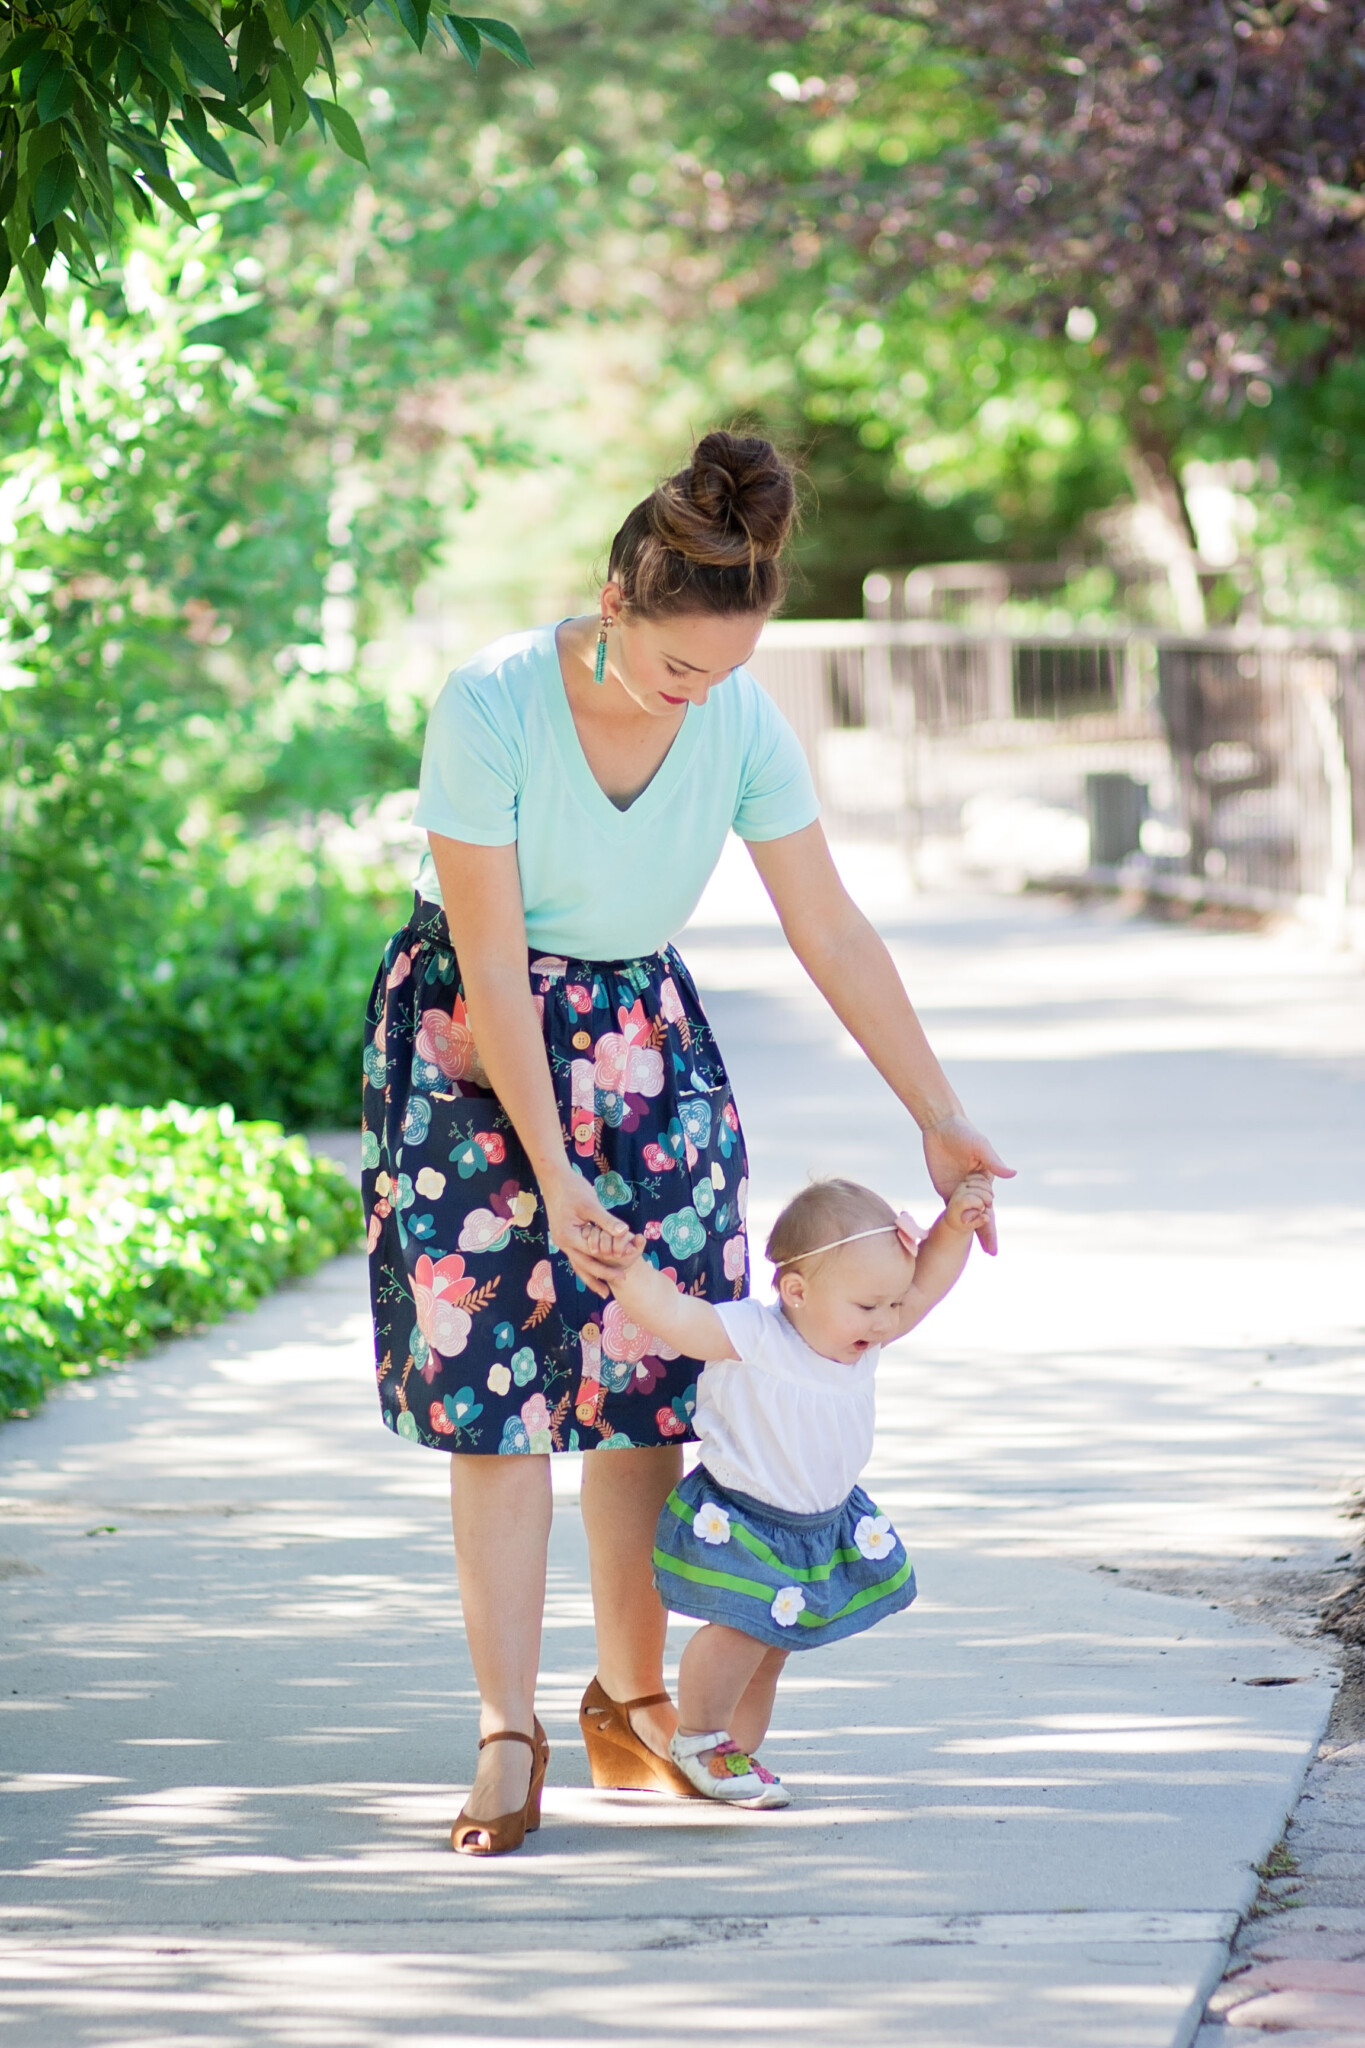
[[599, 667]]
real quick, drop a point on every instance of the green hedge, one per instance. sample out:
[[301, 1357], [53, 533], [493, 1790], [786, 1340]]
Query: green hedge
[[119, 1226]]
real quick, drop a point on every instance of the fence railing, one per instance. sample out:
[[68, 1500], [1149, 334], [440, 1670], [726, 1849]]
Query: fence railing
[[1231, 765]]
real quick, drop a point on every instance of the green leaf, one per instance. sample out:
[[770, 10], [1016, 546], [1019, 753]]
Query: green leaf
[[411, 16], [171, 195], [204, 54], [53, 189], [255, 45], [142, 205], [6, 265], [143, 148], [467, 37], [296, 9], [343, 127], [503, 38], [231, 117], [34, 69], [31, 268], [23, 47], [194, 131], [56, 94]]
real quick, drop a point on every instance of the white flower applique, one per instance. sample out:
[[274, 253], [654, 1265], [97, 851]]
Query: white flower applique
[[787, 1605], [875, 1536], [711, 1524]]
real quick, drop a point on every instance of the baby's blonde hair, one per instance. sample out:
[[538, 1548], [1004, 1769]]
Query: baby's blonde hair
[[822, 1212]]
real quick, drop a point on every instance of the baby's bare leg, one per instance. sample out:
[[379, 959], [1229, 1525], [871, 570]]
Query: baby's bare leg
[[717, 1669], [749, 1723]]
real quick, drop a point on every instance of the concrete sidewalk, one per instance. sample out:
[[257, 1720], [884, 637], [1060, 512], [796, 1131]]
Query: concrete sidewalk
[[236, 1706]]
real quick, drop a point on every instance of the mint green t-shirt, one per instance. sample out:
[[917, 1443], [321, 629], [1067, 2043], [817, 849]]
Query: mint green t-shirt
[[503, 765]]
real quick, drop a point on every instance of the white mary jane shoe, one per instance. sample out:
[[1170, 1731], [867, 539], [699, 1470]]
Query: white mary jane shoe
[[727, 1775]]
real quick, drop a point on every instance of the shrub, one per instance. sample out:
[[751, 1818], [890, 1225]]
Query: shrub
[[119, 1226]]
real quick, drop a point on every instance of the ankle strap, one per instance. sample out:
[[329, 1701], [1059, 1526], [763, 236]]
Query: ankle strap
[[508, 1735], [649, 1699], [693, 1745]]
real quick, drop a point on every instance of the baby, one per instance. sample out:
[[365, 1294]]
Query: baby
[[771, 1542]]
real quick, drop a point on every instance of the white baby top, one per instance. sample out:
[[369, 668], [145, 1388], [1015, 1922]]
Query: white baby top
[[780, 1422]]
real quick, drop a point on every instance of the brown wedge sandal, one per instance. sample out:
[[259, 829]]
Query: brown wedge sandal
[[508, 1831], [617, 1757]]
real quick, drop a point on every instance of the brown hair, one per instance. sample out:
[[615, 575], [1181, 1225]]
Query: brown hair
[[826, 1210], [710, 538]]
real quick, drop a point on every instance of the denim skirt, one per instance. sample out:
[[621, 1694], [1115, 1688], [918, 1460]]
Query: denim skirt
[[485, 1338], [790, 1580]]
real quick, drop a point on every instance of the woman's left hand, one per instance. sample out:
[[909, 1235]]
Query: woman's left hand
[[953, 1148]]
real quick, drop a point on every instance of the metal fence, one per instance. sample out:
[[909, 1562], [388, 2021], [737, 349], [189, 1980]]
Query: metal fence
[[1231, 766]]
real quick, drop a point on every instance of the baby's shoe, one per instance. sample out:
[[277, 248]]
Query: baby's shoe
[[727, 1773]]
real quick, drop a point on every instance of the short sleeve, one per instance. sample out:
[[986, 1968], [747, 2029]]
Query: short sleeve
[[745, 1325], [472, 766], [776, 793]]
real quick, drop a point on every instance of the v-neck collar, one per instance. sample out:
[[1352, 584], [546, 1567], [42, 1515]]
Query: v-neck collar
[[661, 785]]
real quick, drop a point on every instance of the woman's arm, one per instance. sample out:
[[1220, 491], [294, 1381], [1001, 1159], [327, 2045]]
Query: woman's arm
[[481, 888], [654, 1303], [852, 969]]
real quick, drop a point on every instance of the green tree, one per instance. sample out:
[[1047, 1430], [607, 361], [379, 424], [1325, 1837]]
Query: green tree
[[89, 89]]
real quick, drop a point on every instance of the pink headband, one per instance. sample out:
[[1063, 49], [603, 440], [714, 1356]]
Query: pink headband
[[905, 1228]]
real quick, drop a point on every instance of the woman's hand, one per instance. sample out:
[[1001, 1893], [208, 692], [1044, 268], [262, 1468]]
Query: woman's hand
[[595, 1243], [953, 1150]]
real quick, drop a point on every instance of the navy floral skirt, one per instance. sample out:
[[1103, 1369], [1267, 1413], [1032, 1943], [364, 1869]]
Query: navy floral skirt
[[485, 1338]]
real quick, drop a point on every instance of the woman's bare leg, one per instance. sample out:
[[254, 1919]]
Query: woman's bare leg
[[623, 1492], [500, 1510]]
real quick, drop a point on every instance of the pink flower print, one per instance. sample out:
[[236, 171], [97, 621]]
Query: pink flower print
[[541, 1285], [448, 1043], [399, 972], [657, 1160], [670, 1424], [731, 1116], [375, 1229], [691, 1152], [580, 997], [653, 1229], [437, 1291], [535, 1413], [550, 965], [381, 1032], [733, 1257], [670, 1002], [622, 1338], [626, 1064], [440, 1421], [492, 1146], [582, 1108], [590, 1349]]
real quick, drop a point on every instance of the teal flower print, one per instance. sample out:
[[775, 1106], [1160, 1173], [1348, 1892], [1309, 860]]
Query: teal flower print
[[618, 1442], [617, 1374], [462, 1408], [684, 1404], [423, 1228], [406, 1426], [418, 1347], [684, 1233], [369, 1149], [524, 1366], [516, 1439], [417, 1121], [469, 1159], [673, 1139], [404, 1195], [375, 1066], [610, 1106], [696, 1121], [704, 1198], [504, 1335], [612, 1191], [424, 1074]]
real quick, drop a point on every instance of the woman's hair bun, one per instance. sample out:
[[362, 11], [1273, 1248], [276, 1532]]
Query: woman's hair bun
[[710, 537]]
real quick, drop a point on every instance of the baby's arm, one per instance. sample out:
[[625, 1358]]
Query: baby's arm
[[943, 1253], [652, 1301]]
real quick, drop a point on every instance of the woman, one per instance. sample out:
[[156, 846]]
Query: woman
[[577, 787]]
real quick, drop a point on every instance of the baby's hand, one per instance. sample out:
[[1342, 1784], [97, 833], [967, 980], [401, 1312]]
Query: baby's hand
[[970, 1203]]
